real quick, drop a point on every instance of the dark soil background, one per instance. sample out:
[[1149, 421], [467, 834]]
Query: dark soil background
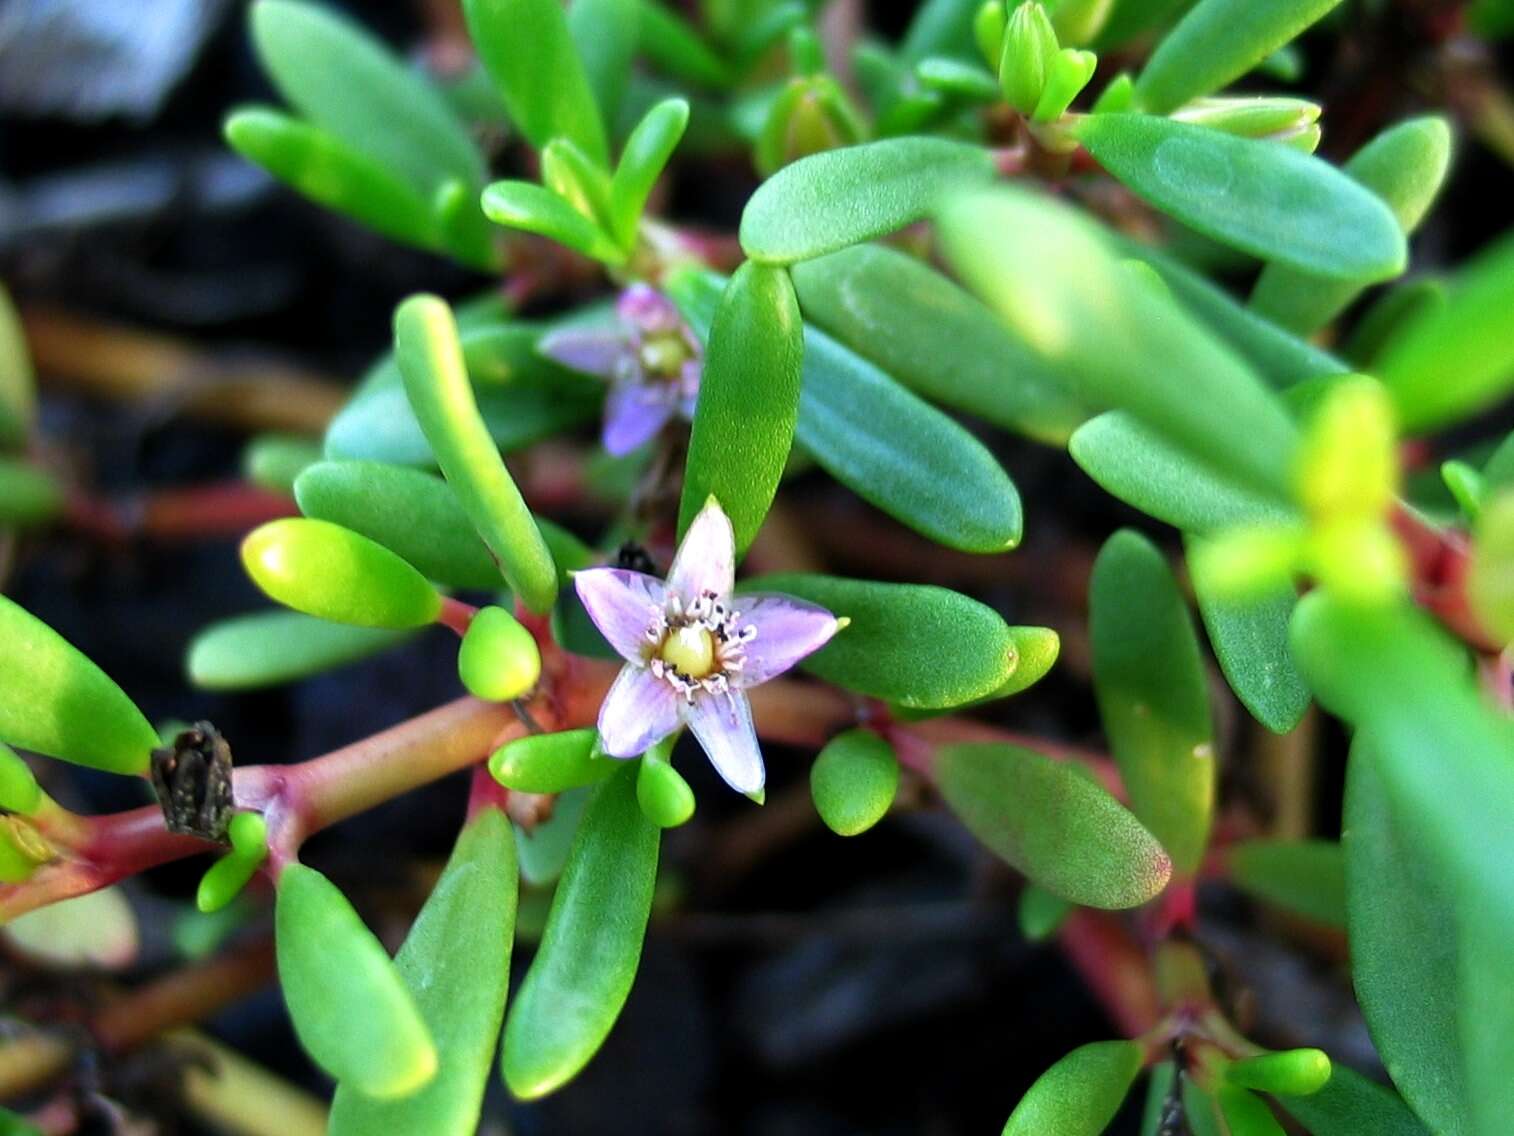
[[871, 986]]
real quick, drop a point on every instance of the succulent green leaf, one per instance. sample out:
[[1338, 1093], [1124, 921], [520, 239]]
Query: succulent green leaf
[[1040, 913], [912, 644], [748, 401], [1250, 639], [1052, 277], [1490, 583], [527, 206], [902, 315], [1140, 467], [225, 879], [498, 659], [575, 177], [646, 152], [853, 781], [1280, 357], [668, 41], [528, 50], [1453, 359], [1080, 1094], [1405, 166], [18, 382], [349, 1004], [98, 930], [456, 963], [273, 461], [270, 647], [436, 382], [28, 496], [903, 456], [522, 397], [843, 197], [605, 34], [1153, 697], [1351, 1105], [588, 956], [940, 27], [353, 87], [19, 791], [1431, 912], [412, 513], [551, 763], [1272, 201], [332, 173], [1219, 41], [1245, 1113], [57, 702], [1053, 823], [543, 851], [334, 573], [1294, 1072]]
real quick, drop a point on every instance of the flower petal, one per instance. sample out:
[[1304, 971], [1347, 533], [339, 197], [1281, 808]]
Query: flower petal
[[633, 415], [706, 560], [723, 725], [639, 710], [648, 310], [623, 605], [787, 631], [594, 351]]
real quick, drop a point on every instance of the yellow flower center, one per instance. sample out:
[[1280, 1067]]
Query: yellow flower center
[[663, 356], [690, 651]]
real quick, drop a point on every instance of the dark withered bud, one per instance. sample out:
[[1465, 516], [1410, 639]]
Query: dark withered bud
[[193, 781]]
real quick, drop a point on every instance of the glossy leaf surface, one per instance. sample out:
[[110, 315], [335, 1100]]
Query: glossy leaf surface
[[1153, 697], [1053, 823], [456, 962], [912, 644], [1269, 200], [526, 47], [907, 318], [843, 197], [590, 949], [436, 382], [1219, 41], [59, 703], [270, 647], [748, 401], [334, 573], [349, 1004]]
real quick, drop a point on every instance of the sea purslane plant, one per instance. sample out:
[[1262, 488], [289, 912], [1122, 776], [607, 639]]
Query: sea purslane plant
[[1033, 215]]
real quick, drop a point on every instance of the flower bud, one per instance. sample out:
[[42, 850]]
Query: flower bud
[[1068, 74], [1030, 45], [498, 659], [812, 114], [665, 797]]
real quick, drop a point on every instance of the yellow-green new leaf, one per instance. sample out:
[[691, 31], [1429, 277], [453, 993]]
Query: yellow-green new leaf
[[436, 382], [57, 702]]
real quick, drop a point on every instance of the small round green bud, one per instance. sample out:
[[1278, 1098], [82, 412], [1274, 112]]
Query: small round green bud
[[1290, 1072], [333, 573], [1359, 560], [853, 781], [1066, 75], [812, 114], [498, 659], [664, 796]]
